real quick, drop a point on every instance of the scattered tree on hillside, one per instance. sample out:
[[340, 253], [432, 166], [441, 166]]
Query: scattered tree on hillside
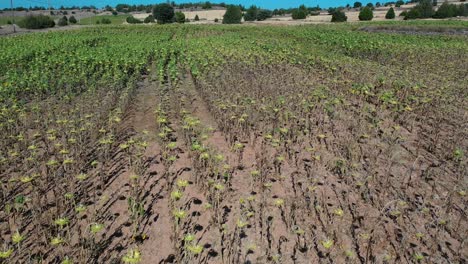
[[390, 13], [357, 5], [399, 3]]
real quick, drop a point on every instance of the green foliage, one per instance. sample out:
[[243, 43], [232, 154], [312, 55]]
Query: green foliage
[[251, 13], [180, 17], [36, 22], [390, 14], [300, 13], [149, 19], [72, 20], [399, 3], [133, 20], [256, 14], [264, 14], [339, 16], [357, 5], [233, 15], [366, 14], [447, 10], [207, 5], [105, 21], [422, 10], [197, 18], [163, 13], [63, 21]]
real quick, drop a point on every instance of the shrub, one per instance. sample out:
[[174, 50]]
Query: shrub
[[72, 20], [339, 16], [105, 21], [216, 20], [149, 19], [197, 18], [233, 15], [133, 20], [399, 3], [366, 14], [163, 13], [37, 22], [180, 17], [115, 13], [390, 14]]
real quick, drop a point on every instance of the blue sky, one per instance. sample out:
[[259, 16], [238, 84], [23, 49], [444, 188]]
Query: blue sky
[[270, 4]]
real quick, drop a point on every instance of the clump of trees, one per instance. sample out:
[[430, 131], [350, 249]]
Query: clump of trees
[[300, 13], [254, 13], [447, 10], [233, 15], [163, 13], [366, 14], [422, 10], [36, 22]]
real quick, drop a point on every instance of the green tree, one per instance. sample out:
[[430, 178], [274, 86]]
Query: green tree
[[197, 18], [300, 13], [163, 13], [233, 15], [357, 5], [366, 14], [446, 10], [72, 20], [180, 17], [399, 3], [251, 13], [264, 14], [390, 13], [63, 21], [422, 10], [338, 16]]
